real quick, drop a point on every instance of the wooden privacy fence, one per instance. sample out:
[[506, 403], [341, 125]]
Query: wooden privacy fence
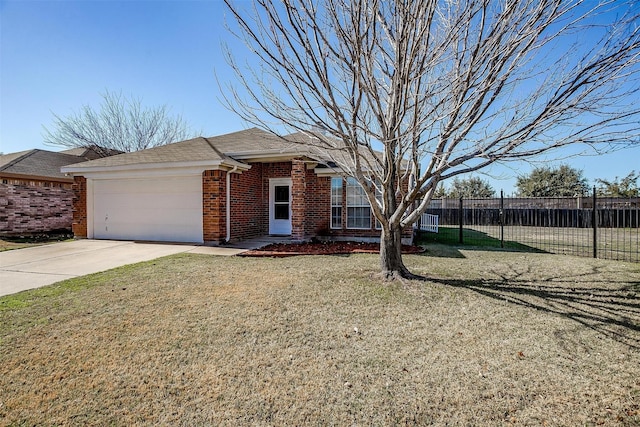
[[588, 226]]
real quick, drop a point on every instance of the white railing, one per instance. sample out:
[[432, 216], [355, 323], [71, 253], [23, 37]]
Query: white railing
[[429, 223]]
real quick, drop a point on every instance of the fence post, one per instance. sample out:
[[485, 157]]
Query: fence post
[[502, 218], [595, 223], [461, 216]]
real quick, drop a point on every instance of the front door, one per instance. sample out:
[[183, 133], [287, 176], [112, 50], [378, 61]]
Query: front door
[[280, 206]]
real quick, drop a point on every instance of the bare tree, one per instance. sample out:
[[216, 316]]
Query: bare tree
[[440, 88], [121, 125]]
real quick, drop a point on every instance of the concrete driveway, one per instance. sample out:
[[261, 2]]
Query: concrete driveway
[[29, 268]]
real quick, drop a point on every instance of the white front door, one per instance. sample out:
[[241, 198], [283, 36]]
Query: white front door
[[280, 206]]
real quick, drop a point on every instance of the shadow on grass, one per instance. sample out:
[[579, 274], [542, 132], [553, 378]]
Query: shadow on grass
[[446, 243], [471, 237], [613, 312]]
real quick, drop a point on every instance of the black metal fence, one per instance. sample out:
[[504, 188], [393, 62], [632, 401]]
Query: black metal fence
[[607, 228]]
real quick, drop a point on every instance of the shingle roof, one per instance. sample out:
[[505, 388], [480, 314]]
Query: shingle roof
[[231, 149], [215, 149], [254, 141], [196, 149], [37, 163], [91, 153]]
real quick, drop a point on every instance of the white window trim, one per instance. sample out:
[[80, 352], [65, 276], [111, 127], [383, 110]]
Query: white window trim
[[368, 205], [341, 205]]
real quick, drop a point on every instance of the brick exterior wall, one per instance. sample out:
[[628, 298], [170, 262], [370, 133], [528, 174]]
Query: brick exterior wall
[[298, 199], [34, 209], [311, 203], [318, 205], [214, 202], [250, 198], [249, 204], [4, 179], [79, 225]]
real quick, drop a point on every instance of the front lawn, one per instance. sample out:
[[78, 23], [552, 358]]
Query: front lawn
[[493, 338]]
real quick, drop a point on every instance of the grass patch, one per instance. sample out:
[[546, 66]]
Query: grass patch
[[42, 296], [450, 235], [612, 243], [492, 338], [9, 242]]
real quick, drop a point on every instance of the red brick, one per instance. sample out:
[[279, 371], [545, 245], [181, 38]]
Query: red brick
[[79, 225]]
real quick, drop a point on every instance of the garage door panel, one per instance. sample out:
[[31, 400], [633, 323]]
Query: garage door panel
[[159, 209], [152, 201]]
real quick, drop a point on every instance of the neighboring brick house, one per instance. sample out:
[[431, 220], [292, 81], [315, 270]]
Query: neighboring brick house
[[35, 196], [210, 190]]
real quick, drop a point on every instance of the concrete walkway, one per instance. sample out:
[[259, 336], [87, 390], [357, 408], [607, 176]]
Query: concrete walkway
[[30, 268]]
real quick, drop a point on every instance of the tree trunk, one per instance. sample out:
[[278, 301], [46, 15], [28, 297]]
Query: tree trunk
[[391, 254]]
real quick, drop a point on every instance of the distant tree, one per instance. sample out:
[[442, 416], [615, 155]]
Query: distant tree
[[440, 192], [563, 181], [470, 188], [626, 187], [122, 124]]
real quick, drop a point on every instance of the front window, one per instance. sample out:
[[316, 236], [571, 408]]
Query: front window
[[336, 202], [358, 208]]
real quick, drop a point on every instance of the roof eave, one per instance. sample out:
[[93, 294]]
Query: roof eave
[[225, 164], [268, 155], [13, 175], [329, 171]]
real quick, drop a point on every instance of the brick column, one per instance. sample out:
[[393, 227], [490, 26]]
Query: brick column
[[79, 224], [214, 212], [298, 199]]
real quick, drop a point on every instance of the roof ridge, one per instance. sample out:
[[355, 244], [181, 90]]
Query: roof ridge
[[214, 148], [20, 158]]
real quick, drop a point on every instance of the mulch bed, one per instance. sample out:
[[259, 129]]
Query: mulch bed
[[322, 248]]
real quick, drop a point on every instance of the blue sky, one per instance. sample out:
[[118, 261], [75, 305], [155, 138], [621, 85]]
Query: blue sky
[[58, 55]]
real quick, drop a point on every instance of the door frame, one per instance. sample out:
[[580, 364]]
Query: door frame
[[279, 227]]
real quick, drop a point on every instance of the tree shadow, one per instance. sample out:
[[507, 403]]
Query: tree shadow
[[472, 240], [612, 309]]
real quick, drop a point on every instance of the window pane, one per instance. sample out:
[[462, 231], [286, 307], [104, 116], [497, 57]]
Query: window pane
[[336, 184], [359, 217], [281, 193], [281, 211], [358, 209], [336, 217], [336, 191], [356, 195], [336, 202]]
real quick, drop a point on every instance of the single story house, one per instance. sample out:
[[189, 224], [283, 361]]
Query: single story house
[[35, 196], [213, 190]]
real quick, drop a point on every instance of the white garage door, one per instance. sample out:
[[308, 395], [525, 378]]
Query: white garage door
[[158, 209]]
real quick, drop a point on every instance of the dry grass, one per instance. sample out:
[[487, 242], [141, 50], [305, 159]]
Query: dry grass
[[8, 243], [495, 338]]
